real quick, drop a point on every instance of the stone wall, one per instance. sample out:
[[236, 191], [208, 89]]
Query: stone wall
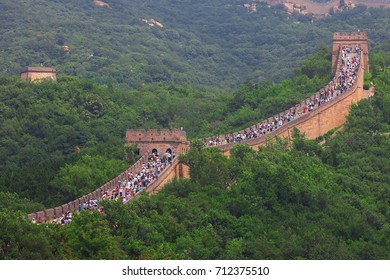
[[38, 73], [175, 170], [57, 212], [157, 139], [350, 39], [314, 124]]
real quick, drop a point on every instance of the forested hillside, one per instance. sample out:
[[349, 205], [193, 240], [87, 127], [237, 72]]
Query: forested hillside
[[67, 137], [311, 201], [211, 67], [216, 44]]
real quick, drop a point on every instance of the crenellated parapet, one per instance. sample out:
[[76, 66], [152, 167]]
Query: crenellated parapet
[[350, 36], [353, 40], [317, 120], [57, 212], [313, 123], [160, 140], [38, 73]]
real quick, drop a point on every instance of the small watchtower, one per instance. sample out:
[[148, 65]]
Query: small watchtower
[[350, 39], [158, 140], [38, 73]]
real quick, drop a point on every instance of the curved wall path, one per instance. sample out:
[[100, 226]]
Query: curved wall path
[[314, 124]]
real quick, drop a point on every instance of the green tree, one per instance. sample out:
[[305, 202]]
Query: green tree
[[20, 239], [88, 237]]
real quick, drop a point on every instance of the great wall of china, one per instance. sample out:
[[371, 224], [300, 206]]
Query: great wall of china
[[313, 124]]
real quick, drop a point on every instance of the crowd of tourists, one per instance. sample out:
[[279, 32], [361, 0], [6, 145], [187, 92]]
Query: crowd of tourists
[[137, 181], [126, 189], [343, 80]]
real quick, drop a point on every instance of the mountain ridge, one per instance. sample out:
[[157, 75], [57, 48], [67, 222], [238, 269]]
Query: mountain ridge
[[215, 45]]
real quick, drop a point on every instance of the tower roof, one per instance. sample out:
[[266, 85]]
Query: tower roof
[[38, 69]]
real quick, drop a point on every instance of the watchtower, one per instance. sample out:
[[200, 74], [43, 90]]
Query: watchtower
[[158, 140], [350, 39], [38, 73]]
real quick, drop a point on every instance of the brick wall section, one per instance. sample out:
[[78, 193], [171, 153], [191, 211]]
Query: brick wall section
[[270, 119], [316, 123], [175, 170], [37, 73], [159, 139], [313, 124], [350, 39], [57, 212]]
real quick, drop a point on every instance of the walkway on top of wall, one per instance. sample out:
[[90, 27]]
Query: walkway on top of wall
[[320, 120]]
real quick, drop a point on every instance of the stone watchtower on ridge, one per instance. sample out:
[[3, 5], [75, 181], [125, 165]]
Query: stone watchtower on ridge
[[38, 73], [350, 39], [158, 140]]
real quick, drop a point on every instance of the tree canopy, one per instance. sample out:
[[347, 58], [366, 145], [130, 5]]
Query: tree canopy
[[308, 201], [317, 199], [217, 44]]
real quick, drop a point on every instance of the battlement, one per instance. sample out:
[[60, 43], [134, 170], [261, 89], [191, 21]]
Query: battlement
[[157, 140], [313, 124], [155, 135], [349, 36], [37, 73], [350, 39]]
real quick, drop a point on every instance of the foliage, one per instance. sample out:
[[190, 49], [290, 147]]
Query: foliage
[[196, 46], [47, 125], [85, 175], [12, 202], [309, 147], [22, 240], [61, 135], [88, 237], [281, 203], [207, 165], [367, 80], [302, 202], [61, 140]]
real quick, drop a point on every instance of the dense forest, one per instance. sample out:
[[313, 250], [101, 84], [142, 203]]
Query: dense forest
[[319, 199], [67, 137], [216, 44], [311, 201]]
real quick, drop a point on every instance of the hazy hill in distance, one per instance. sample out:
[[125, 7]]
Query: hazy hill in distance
[[216, 44]]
